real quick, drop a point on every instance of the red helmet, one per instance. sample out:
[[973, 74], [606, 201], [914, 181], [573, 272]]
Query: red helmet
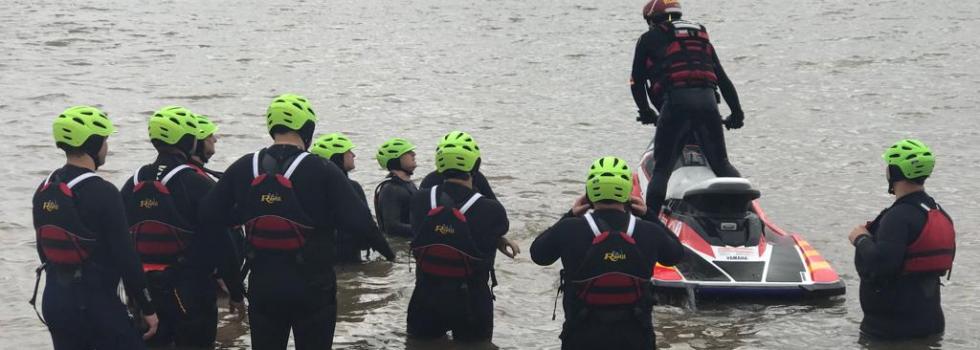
[[656, 7]]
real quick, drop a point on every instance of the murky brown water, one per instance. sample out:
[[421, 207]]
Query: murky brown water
[[542, 85]]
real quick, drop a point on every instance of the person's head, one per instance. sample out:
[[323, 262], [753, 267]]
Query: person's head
[[457, 156], [83, 131], [173, 129], [659, 11], [336, 147], [467, 139], [397, 154], [610, 181], [289, 113], [909, 164], [206, 138]]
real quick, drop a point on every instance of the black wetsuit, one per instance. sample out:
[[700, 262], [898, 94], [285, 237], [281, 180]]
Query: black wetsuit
[[683, 111], [569, 240], [436, 304], [285, 294], [480, 183], [85, 312], [349, 244], [897, 305], [392, 198], [184, 294]]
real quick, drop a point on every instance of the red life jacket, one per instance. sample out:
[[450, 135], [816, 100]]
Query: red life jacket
[[935, 248], [160, 233], [688, 58], [275, 220], [444, 246], [62, 236], [614, 271]]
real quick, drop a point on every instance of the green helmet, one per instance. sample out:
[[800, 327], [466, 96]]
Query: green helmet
[[912, 157], [609, 179], [457, 151], [205, 128], [172, 123], [291, 111], [393, 149], [329, 145], [75, 125]]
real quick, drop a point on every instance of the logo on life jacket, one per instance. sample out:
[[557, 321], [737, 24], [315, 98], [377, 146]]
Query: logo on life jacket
[[50, 206], [614, 256], [444, 229], [148, 203], [271, 198], [670, 2]]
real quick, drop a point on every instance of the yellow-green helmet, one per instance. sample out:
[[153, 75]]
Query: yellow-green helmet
[[172, 123], [393, 149], [291, 111], [457, 151], [329, 145], [75, 125], [912, 157], [205, 128], [609, 179]]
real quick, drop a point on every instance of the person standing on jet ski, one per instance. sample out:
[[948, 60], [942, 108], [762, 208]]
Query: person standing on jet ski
[[902, 253], [676, 68], [607, 255]]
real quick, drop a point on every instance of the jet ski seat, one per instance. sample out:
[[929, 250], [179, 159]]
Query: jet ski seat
[[722, 196]]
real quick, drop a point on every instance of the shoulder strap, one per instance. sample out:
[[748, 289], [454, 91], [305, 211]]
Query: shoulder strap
[[80, 178], [47, 180], [469, 203], [432, 197], [173, 172], [592, 224], [631, 226], [255, 162], [926, 207], [136, 176], [292, 167]]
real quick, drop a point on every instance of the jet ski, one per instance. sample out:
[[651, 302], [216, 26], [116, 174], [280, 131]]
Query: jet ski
[[732, 249]]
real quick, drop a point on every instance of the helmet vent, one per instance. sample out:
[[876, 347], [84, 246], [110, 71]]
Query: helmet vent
[[297, 105], [86, 112], [78, 120], [99, 124]]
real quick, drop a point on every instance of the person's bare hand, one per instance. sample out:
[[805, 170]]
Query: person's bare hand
[[504, 244], [152, 322], [581, 206]]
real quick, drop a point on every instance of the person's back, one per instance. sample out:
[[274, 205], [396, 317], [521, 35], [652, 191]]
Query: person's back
[[676, 69], [84, 245], [901, 255], [291, 205], [393, 195], [456, 232], [179, 258], [607, 257]]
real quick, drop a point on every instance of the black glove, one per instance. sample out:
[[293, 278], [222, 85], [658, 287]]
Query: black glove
[[647, 117], [735, 120]]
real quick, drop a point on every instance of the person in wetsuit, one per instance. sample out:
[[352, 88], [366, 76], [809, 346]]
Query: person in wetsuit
[[206, 139], [179, 257], [901, 254], [290, 205], [456, 232], [676, 68], [84, 244], [480, 182], [338, 149], [393, 195], [593, 258]]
